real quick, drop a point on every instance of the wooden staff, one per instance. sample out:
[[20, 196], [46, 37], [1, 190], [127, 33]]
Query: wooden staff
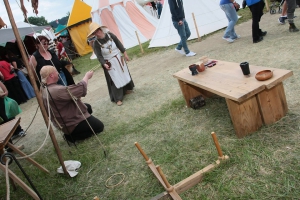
[[199, 38], [217, 144], [36, 90], [137, 35], [150, 164], [169, 187]]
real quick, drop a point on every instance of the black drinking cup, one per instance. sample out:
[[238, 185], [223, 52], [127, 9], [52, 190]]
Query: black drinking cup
[[245, 68]]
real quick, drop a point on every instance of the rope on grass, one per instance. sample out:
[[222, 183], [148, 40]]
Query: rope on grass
[[112, 186]]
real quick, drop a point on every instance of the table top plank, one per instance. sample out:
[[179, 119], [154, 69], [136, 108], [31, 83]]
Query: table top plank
[[227, 80]]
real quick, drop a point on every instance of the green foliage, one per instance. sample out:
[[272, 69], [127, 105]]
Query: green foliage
[[38, 21]]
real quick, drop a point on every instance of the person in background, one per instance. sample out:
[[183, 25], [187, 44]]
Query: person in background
[[12, 83], [256, 8], [18, 65], [19, 132], [159, 8], [179, 22], [230, 12], [67, 115], [42, 56], [107, 48], [291, 6], [61, 53]]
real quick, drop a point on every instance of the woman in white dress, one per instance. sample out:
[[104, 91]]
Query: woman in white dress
[[108, 48]]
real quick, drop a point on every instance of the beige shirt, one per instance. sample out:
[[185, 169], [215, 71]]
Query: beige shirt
[[64, 108]]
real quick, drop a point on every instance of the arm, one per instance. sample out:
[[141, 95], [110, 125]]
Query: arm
[[14, 64], [4, 90]]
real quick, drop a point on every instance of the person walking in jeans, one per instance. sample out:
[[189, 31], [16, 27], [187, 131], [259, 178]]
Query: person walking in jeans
[[230, 12], [179, 22]]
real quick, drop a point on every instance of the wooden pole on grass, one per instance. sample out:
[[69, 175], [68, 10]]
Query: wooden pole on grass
[[199, 38], [32, 80], [217, 144], [137, 35]]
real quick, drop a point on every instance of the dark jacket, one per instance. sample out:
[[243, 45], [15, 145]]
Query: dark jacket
[[177, 11]]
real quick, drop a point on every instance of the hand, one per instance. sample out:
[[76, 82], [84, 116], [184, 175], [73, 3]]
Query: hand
[[126, 57], [89, 74], [4, 94], [106, 66], [180, 22]]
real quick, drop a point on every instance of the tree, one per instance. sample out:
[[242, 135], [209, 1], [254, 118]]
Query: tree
[[38, 21]]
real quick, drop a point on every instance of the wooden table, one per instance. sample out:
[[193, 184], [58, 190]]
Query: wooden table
[[251, 103], [6, 131]]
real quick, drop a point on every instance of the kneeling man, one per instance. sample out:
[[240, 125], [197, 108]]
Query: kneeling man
[[68, 112]]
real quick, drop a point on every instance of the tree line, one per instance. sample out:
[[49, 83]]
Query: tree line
[[41, 21]]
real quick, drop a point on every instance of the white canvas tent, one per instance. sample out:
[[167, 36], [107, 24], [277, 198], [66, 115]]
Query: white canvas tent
[[208, 15], [124, 18]]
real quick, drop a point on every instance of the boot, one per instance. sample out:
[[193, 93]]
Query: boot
[[293, 28], [75, 71]]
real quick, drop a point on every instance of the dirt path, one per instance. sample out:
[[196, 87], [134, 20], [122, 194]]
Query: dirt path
[[155, 85]]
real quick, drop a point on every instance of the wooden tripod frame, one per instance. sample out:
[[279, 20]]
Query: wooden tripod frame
[[187, 183]]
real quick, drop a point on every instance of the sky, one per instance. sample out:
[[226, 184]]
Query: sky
[[50, 9]]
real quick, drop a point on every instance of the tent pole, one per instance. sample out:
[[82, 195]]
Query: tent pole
[[32, 80], [141, 47], [199, 38]]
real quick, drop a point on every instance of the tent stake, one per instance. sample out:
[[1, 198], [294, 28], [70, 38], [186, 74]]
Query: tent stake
[[199, 38], [142, 50], [32, 80]]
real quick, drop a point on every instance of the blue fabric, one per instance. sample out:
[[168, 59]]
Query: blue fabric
[[184, 33], [251, 2], [222, 2], [232, 17], [62, 77], [27, 87]]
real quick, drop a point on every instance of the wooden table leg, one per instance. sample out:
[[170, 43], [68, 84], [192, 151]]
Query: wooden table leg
[[190, 91], [245, 116], [17, 180], [272, 104]]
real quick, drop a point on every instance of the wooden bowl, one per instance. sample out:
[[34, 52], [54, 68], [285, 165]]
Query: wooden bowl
[[264, 75]]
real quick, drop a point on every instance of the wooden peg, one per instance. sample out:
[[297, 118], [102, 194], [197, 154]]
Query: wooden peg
[[96, 198], [142, 151], [217, 144], [199, 38]]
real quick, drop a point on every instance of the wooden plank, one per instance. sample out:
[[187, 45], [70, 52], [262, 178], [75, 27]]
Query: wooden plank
[[6, 131], [245, 116], [17, 180], [273, 105], [190, 181]]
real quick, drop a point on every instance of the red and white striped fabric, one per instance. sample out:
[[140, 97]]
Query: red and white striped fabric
[[124, 18]]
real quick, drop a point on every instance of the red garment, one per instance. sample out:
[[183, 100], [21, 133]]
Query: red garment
[[5, 70], [60, 47]]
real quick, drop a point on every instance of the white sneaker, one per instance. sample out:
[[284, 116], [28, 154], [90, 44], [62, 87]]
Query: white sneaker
[[190, 54], [228, 39], [180, 51]]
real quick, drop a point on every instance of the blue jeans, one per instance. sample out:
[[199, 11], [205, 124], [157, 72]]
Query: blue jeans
[[184, 33], [63, 77], [232, 19]]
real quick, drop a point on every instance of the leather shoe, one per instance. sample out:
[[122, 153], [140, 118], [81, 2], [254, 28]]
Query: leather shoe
[[258, 40], [263, 33]]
